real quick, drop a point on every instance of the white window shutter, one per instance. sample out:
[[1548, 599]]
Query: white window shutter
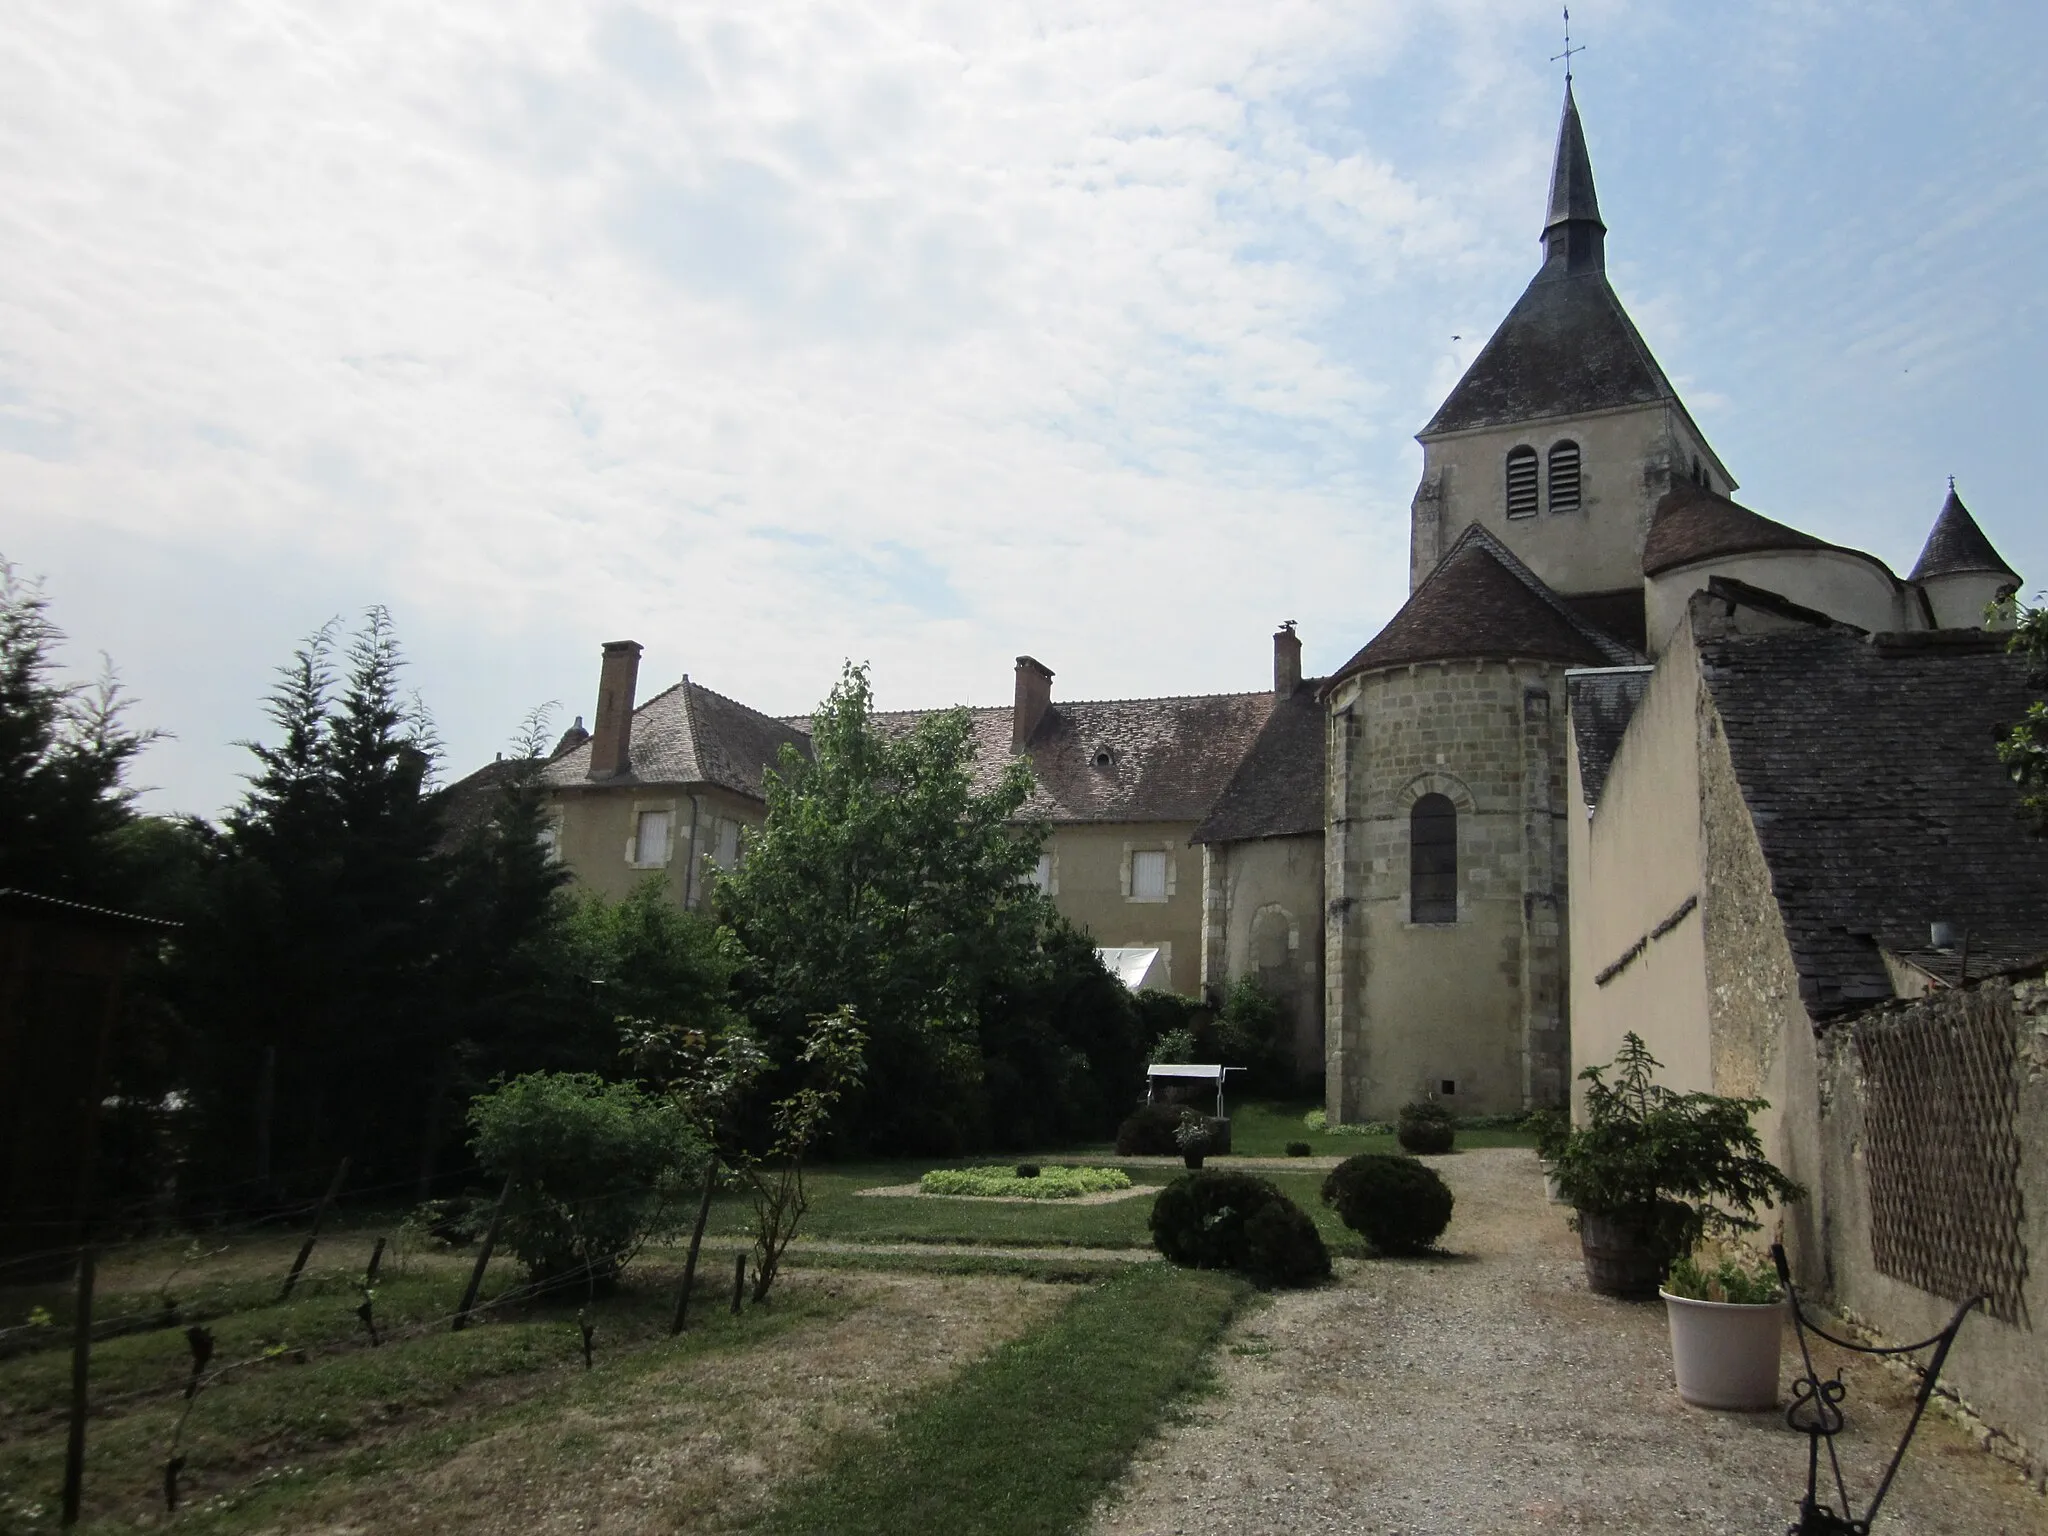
[[1172, 873], [1124, 870]]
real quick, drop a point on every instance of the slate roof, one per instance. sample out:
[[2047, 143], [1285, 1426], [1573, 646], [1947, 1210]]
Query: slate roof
[[1168, 759], [689, 735], [1693, 523], [1277, 790], [1602, 704], [1572, 197], [1956, 544], [1621, 614], [1481, 601], [1870, 775], [1566, 347], [471, 801]]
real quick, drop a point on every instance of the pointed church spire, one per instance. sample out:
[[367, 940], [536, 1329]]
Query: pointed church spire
[[1573, 236]]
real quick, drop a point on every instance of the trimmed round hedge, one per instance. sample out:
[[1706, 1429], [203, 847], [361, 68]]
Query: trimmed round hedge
[[1237, 1221], [1397, 1204], [1148, 1132], [1425, 1126]]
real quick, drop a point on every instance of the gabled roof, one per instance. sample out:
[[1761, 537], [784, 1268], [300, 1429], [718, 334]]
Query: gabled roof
[[1277, 791], [1166, 759], [1956, 544], [1692, 523], [1870, 774], [689, 735], [1603, 701], [1481, 601]]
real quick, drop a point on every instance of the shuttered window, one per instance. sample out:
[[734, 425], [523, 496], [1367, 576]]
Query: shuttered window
[[1433, 861], [1564, 477], [1148, 875], [1522, 482]]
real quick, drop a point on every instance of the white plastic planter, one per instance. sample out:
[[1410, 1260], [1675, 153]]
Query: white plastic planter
[[1725, 1355]]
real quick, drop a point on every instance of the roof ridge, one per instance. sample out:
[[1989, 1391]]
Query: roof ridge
[[726, 698], [1597, 637], [1150, 698]]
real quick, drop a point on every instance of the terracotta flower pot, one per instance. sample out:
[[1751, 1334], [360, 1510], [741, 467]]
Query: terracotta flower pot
[[1725, 1354]]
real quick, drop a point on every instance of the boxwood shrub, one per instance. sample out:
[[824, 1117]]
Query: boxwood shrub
[[1237, 1221], [1396, 1203], [1148, 1132], [1426, 1126]]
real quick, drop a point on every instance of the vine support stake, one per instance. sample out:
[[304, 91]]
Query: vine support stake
[[376, 1262], [739, 1280], [483, 1258], [312, 1237], [696, 1242], [81, 1368]]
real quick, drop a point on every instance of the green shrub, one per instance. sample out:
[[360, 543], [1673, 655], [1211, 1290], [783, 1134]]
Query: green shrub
[[1299, 1149], [1199, 1135], [1397, 1204], [1047, 1184], [593, 1167], [1176, 1047], [1148, 1132], [1744, 1278], [1239, 1222], [1426, 1126], [1028, 1170]]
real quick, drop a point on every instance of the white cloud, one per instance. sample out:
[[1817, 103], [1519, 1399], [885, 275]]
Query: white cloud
[[768, 335]]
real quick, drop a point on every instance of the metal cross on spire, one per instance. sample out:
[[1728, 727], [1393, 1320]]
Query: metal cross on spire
[[1569, 50]]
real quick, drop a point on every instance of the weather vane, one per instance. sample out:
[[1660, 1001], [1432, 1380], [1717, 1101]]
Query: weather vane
[[1569, 50]]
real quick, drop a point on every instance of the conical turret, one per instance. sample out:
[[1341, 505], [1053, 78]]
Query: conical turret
[[1573, 235], [1958, 570]]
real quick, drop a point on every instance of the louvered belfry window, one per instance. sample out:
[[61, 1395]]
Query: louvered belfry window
[[1522, 482], [1433, 860], [1564, 477]]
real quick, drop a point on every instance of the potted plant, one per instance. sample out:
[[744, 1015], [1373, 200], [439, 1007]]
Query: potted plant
[[1727, 1317], [1651, 1171], [1196, 1136], [1425, 1126]]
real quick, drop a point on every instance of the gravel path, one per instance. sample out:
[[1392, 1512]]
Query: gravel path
[[1491, 1392]]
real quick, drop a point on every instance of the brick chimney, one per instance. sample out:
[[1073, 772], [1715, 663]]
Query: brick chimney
[[1286, 661], [1034, 698], [611, 743]]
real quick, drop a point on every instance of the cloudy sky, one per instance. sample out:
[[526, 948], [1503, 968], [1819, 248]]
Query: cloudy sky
[[929, 333]]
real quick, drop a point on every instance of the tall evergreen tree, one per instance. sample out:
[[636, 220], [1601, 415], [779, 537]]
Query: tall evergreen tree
[[64, 751]]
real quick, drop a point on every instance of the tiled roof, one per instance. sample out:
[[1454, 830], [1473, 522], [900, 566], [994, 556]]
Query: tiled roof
[[1956, 544], [1602, 704], [1481, 601], [470, 802], [690, 735], [1620, 614], [1692, 523], [1565, 348], [1277, 790], [1870, 773], [1120, 759]]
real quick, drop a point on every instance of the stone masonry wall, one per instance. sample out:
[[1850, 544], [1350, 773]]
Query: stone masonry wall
[[1478, 1003]]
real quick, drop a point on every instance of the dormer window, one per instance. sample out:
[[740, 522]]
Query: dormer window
[[1564, 477], [1104, 758], [1522, 492]]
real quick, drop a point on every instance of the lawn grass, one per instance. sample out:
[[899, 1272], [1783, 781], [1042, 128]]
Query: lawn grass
[[1263, 1128], [1024, 1442], [838, 1212], [315, 1400]]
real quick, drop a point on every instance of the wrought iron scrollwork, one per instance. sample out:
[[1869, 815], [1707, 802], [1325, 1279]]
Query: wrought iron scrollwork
[[1816, 1412]]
